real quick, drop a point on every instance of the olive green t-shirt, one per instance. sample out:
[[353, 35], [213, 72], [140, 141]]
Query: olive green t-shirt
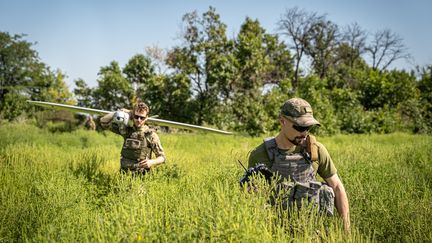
[[324, 166]]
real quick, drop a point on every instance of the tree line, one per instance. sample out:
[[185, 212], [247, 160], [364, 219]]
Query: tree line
[[239, 83]]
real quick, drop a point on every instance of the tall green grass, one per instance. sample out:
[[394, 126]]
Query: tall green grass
[[66, 187]]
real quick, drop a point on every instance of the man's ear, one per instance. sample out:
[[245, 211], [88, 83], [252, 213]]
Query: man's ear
[[282, 121]]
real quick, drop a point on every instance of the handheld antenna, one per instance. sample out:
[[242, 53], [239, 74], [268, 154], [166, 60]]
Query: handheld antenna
[[242, 165]]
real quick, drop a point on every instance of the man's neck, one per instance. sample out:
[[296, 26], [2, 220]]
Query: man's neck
[[142, 128], [283, 142]]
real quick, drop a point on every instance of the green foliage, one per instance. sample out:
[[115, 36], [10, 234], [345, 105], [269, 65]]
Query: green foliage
[[321, 43], [350, 113], [383, 120], [262, 61], [249, 114], [423, 115], [200, 58], [138, 70], [389, 88], [384, 176], [272, 103], [66, 187], [83, 93], [313, 90], [12, 105], [113, 91], [56, 121], [52, 88], [23, 76], [19, 63], [239, 83], [169, 97]]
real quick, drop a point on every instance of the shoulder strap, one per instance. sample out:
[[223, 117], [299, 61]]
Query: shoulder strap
[[148, 137], [312, 147], [271, 146]]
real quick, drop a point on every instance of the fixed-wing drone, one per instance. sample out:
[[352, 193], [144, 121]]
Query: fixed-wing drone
[[122, 118]]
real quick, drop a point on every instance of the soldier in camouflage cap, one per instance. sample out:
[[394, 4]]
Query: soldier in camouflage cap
[[140, 141], [297, 157]]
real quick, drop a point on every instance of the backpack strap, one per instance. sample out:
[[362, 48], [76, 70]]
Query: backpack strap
[[312, 147], [271, 146]]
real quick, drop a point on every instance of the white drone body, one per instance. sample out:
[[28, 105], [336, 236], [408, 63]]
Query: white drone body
[[121, 118]]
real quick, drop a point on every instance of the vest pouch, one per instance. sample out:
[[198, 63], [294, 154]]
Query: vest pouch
[[128, 164], [133, 143], [305, 194], [282, 194], [326, 200]]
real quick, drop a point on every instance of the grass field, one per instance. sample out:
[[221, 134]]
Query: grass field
[[66, 187]]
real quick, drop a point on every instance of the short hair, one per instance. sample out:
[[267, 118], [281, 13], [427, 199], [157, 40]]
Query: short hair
[[141, 107]]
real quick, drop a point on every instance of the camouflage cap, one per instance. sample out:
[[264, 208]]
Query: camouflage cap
[[299, 111]]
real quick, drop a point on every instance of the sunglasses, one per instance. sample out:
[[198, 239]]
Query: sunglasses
[[300, 128], [139, 117]]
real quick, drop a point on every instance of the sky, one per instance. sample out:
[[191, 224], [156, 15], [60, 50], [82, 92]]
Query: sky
[[80, 36]]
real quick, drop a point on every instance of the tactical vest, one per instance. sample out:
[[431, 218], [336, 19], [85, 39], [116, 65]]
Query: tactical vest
[[136, 146], [298, 183]]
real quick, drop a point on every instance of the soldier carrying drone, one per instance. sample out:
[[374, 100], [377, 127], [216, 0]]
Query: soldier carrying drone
[[140, 141]]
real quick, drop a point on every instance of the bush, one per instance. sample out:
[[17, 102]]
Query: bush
[[313, 90], [12, 106], [57, 121]]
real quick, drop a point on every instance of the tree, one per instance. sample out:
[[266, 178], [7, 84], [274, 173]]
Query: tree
[[19, 68], [252, 58], [262, 60], [83, 93], [349, 64], [19, 63], [321, 45], [113, 91], [56, 89], [158, 58], [424, 85], [385, 48], [169, 97], [297, 25], [138, 71], [379, 89], [201, 59], [23, 76], [354, 37]]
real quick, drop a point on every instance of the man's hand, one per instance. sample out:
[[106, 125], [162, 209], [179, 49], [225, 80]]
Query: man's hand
[[128, 112], [146, 163]]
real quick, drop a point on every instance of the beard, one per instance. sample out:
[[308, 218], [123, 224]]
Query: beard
[[138, 124], [299, 140]]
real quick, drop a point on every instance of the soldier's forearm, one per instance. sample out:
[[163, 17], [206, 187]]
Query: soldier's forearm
[[159, 160], [106, 120], [341, 201]]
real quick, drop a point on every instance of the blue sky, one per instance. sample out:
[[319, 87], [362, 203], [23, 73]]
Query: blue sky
[[80, 36]]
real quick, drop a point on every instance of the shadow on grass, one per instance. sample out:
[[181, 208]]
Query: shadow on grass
[[89, 169]]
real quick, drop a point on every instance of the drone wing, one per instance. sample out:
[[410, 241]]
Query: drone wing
[[151, 120]]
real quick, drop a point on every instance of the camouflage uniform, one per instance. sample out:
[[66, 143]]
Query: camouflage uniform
[[90, 124], [139, 144]]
